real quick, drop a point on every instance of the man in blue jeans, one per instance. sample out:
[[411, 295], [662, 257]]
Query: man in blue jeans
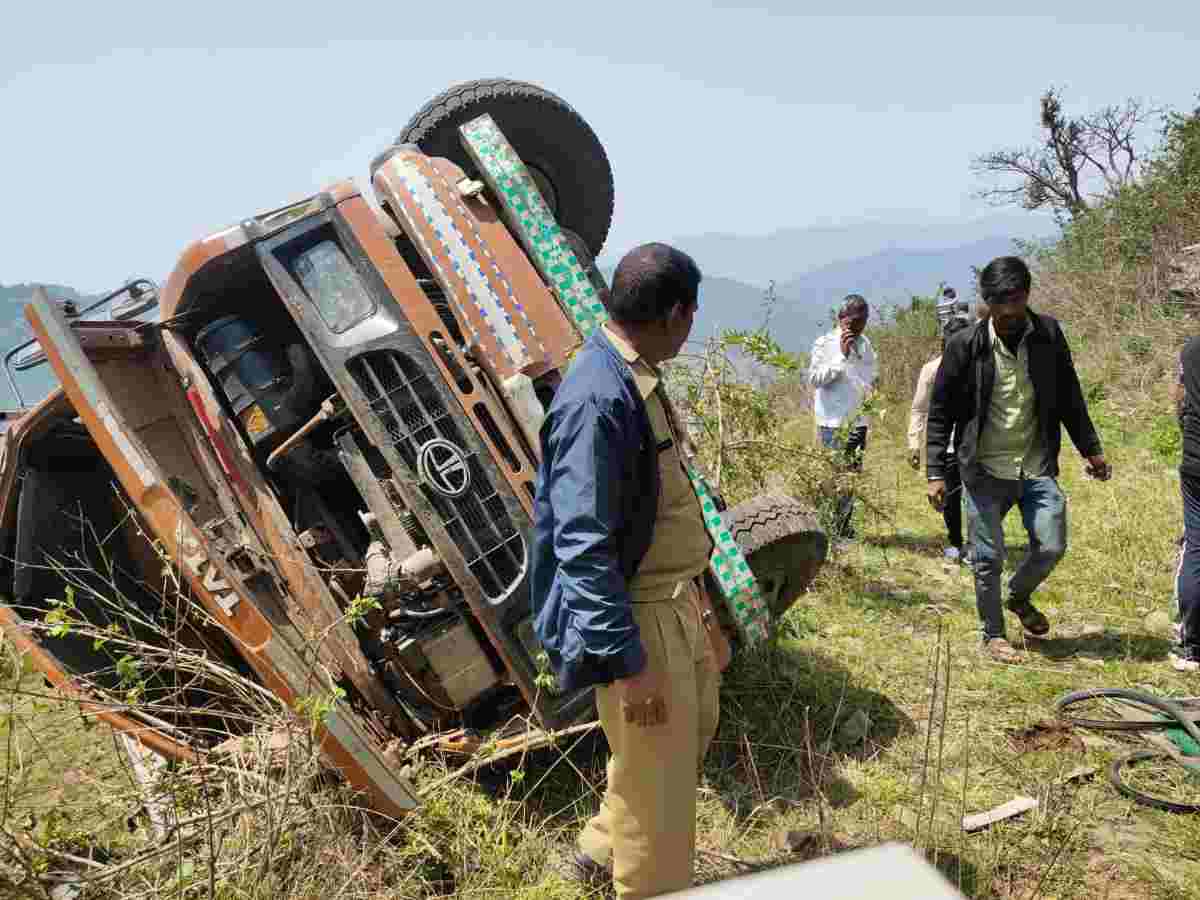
[[843, 370], [1006, 388], [1185, 655]]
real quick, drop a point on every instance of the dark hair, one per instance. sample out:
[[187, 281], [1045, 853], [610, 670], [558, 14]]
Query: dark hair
[[854, 304], [950, 292], [650, 280], [1004, 277]]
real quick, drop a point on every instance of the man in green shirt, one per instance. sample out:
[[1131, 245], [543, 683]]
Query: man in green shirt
[[1006, 388]]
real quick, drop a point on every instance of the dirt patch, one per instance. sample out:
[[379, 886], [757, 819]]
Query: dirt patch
[[1102, 870], [1044, 735]]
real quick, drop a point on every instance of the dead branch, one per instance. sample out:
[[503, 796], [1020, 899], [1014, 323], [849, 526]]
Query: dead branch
[[725, 857], [1052, 173], [533, 741]]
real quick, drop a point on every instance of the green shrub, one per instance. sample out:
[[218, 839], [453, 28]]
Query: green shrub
[[1165, 439], [1108, 268], [905, 339]]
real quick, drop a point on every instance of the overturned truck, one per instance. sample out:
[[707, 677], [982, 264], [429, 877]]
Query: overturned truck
[[338, 400]]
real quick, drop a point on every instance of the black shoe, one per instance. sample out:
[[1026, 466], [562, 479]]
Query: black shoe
[[1031, 618]]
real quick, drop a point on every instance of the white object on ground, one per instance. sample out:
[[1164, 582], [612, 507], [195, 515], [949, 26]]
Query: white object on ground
[[1013, 807], [887, 872]]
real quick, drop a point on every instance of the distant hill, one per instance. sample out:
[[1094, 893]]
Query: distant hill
[[725, 304], [892, 277], [34, 383], [21, 293], [13, 298], [15, 293], [886, 278], [787, 254]]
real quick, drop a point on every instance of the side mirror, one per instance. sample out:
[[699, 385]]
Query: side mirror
[[138, 297], [32, 356], [141, 296], [29, 359]]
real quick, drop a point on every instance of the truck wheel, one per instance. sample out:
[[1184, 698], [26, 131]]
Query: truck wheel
[[783, 545], [563, 154]]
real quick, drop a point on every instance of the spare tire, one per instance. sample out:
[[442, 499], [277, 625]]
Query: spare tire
[[563, 154], [783, 544]]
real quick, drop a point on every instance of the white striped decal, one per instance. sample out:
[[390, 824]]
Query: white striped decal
[[497, 272], [466, 265]]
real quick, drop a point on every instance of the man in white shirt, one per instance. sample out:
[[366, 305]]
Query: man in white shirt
[[952, 513], [844, 370]]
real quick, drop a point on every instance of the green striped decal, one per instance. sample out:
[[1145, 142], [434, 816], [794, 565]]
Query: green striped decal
[[743, 597], [528, 217], [530, 220]]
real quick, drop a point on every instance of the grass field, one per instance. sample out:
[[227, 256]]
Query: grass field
[[841, 736], [865, 639]]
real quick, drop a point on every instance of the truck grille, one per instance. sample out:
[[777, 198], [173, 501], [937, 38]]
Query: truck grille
[[408, 405]]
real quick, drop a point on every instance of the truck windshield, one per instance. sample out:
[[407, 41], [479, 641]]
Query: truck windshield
[[330, 281]]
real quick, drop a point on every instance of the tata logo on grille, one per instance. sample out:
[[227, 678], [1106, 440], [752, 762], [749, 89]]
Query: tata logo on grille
[[443, 467]]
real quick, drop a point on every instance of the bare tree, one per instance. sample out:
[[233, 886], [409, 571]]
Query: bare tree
[[1054, 173]]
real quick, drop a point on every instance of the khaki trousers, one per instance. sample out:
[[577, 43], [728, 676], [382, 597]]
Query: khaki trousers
[[647, 821]]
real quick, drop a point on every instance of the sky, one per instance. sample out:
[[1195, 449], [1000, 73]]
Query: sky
[[129, 130]]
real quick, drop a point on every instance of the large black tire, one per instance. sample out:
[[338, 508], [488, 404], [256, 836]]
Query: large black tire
[[560, 149], [783, 543]]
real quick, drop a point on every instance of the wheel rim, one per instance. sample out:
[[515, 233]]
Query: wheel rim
[[545, 188], [783, 570], [773, 584]]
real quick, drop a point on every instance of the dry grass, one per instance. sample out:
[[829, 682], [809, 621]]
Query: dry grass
[[887, 635], [1117, 572]]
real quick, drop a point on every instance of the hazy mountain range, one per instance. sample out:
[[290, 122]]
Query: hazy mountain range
[[787, 254], [886, 278], [813, 269]]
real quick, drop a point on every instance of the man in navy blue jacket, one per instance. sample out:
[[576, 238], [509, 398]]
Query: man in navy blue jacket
[[619, 549]]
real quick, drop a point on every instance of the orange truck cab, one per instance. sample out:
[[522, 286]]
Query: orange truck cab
[[338, 400]]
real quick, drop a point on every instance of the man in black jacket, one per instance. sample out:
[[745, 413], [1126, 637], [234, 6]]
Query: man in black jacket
[[1185, 656], [1006, 387]]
